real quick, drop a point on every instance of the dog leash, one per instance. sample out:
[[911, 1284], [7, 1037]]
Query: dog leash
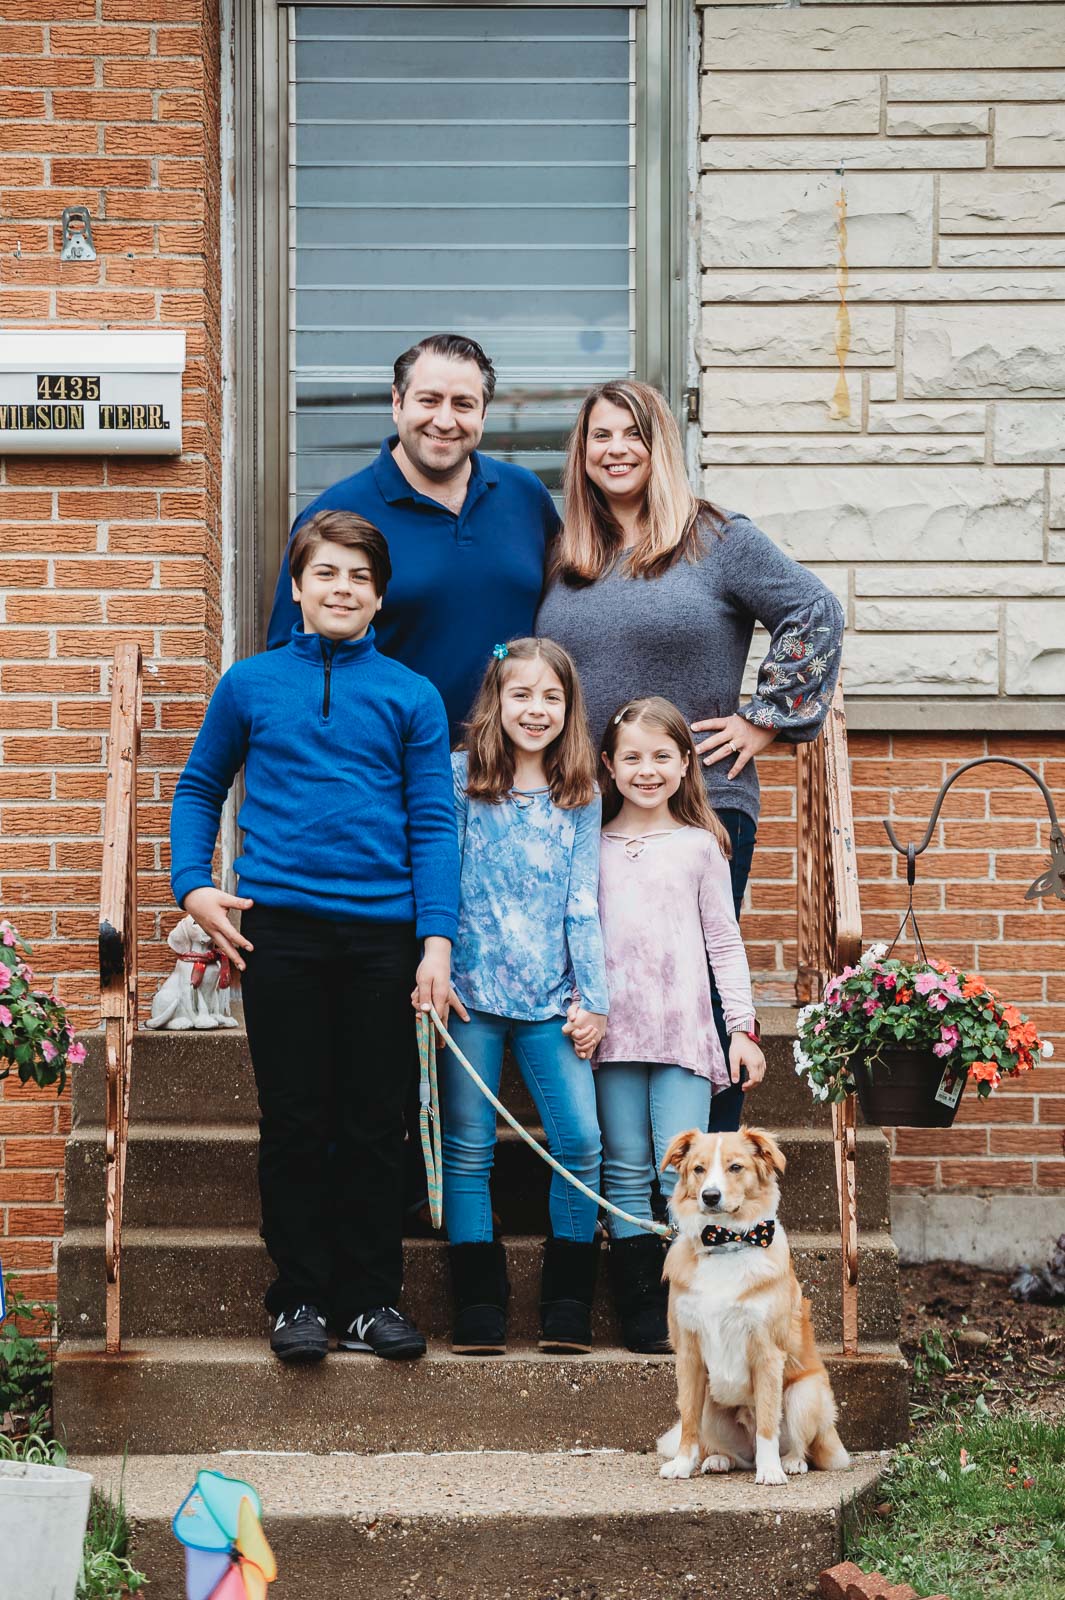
[[429, 1121]]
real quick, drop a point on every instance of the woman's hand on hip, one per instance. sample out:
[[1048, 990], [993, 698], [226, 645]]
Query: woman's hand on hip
[[732, 736]]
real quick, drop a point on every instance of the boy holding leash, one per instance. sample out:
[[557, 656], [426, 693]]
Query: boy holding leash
[[348, 887]]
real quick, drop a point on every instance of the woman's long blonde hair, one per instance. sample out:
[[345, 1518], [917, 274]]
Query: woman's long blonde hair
[[569, 762], [689, 805], [672, 514]]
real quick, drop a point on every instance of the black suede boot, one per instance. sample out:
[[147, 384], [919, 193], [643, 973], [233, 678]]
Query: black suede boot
[[634, 1267], [479, 1292], [566, 1293]]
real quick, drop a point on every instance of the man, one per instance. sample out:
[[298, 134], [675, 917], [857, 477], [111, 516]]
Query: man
[[467, 535]]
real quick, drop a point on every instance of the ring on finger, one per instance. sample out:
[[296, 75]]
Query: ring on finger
[[734, 747]]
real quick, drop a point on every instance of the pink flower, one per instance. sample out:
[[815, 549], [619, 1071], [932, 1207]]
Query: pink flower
[[846, 1005], [937, 1001], [942, 1049], [5, 977], [5, 1017], [48, 1050], [9, 933], [831, 989], [949, 1034], [887, 980], [76, 1053], [848, 972], [819, 1027], [871, 1005], [926, 982], [25, 971]]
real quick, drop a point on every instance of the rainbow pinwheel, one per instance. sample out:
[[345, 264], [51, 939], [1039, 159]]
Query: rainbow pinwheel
[[226, 1553]]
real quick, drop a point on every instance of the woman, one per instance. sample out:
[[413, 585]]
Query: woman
[[655, 592]]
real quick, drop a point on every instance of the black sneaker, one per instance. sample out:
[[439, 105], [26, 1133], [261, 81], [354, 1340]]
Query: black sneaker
[[299, 1334], [386, 1332]]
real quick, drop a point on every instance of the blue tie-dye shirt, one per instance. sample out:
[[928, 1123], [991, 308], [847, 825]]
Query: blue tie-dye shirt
[[528, 940]]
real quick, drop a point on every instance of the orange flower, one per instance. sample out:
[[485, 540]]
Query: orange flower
[[942, 966], [984, 1072], [903, 995], [973, 986], [1011, 1015]]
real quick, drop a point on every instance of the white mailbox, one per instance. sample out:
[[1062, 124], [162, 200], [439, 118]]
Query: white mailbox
[[90, 392]]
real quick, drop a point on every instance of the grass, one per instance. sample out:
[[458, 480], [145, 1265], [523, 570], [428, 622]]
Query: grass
[[974, 1508], [106, 1573]]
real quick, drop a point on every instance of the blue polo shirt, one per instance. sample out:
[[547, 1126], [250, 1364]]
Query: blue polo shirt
[[460, 583]]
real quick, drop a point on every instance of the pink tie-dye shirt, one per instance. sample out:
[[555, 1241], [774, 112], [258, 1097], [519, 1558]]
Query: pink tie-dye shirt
[[665, 904]]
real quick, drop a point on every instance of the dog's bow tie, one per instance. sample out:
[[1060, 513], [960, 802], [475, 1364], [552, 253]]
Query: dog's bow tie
[[760, 1235]]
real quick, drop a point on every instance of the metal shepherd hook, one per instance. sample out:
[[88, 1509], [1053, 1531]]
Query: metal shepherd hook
[[1052, 881]]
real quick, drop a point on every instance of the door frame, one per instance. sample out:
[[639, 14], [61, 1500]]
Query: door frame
[[262, 358]]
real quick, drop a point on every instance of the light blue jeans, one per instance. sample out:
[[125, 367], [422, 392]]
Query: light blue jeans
[[642, 1105], [563, 1089]]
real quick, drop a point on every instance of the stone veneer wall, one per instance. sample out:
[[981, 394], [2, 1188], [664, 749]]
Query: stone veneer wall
[[927, 488]]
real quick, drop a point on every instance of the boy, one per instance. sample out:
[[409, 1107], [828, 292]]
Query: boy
[[350, 861]]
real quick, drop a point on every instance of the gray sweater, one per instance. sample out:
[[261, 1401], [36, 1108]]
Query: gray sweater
[[687, 635]]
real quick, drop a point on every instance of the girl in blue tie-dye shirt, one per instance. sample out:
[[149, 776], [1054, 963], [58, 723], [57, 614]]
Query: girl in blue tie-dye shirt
[[528, 970]]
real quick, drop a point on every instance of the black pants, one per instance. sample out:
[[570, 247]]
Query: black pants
[[331, 1032], [726, 1108]]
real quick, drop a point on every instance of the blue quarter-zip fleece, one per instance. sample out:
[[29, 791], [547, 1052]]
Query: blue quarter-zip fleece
[[349, 808]]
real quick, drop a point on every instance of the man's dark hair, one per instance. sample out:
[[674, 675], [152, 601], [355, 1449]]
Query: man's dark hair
[[347, 529], [453, 347]]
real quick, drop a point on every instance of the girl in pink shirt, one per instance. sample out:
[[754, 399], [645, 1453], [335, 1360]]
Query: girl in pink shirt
[[665, 905]]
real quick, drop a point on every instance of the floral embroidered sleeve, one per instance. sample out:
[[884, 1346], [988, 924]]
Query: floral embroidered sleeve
[[797, 678]]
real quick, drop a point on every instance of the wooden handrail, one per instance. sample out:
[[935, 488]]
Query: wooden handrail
[[830, 938], [118, 955]]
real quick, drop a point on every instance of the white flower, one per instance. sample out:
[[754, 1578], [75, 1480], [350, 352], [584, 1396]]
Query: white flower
[[814, 1009], [1046, 1049], [820, 1091], [875, 953]]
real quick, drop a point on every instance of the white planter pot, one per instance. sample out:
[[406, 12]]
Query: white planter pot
[[43, 1513]]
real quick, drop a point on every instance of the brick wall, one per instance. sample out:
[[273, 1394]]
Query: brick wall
[[990, 843], [111, 104]]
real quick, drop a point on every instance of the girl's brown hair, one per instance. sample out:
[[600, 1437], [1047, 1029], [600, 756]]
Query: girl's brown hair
[[689, 805], [569, 763], [673, 517]]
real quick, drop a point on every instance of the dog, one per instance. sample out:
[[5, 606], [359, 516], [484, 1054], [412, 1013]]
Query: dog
[[196, 994], [752, 1390]]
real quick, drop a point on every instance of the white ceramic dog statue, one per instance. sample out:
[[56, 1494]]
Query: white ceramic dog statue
[[196, 994]]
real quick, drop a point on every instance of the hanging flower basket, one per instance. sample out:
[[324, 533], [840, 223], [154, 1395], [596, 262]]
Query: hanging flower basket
[[908, 1089], [907, 1037]]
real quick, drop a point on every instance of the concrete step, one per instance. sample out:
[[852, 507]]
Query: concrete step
[[162, 1396], [181, 1175], [207, 1078], [484, 1526], [191, 1282]]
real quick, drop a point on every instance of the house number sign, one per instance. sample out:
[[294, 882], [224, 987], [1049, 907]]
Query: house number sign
[[90, 393]]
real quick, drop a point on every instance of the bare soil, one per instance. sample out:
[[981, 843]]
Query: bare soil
[[1011, 1353]]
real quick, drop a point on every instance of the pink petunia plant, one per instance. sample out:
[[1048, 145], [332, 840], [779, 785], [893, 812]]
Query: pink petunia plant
[[954, 1018], [36, 1039]]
